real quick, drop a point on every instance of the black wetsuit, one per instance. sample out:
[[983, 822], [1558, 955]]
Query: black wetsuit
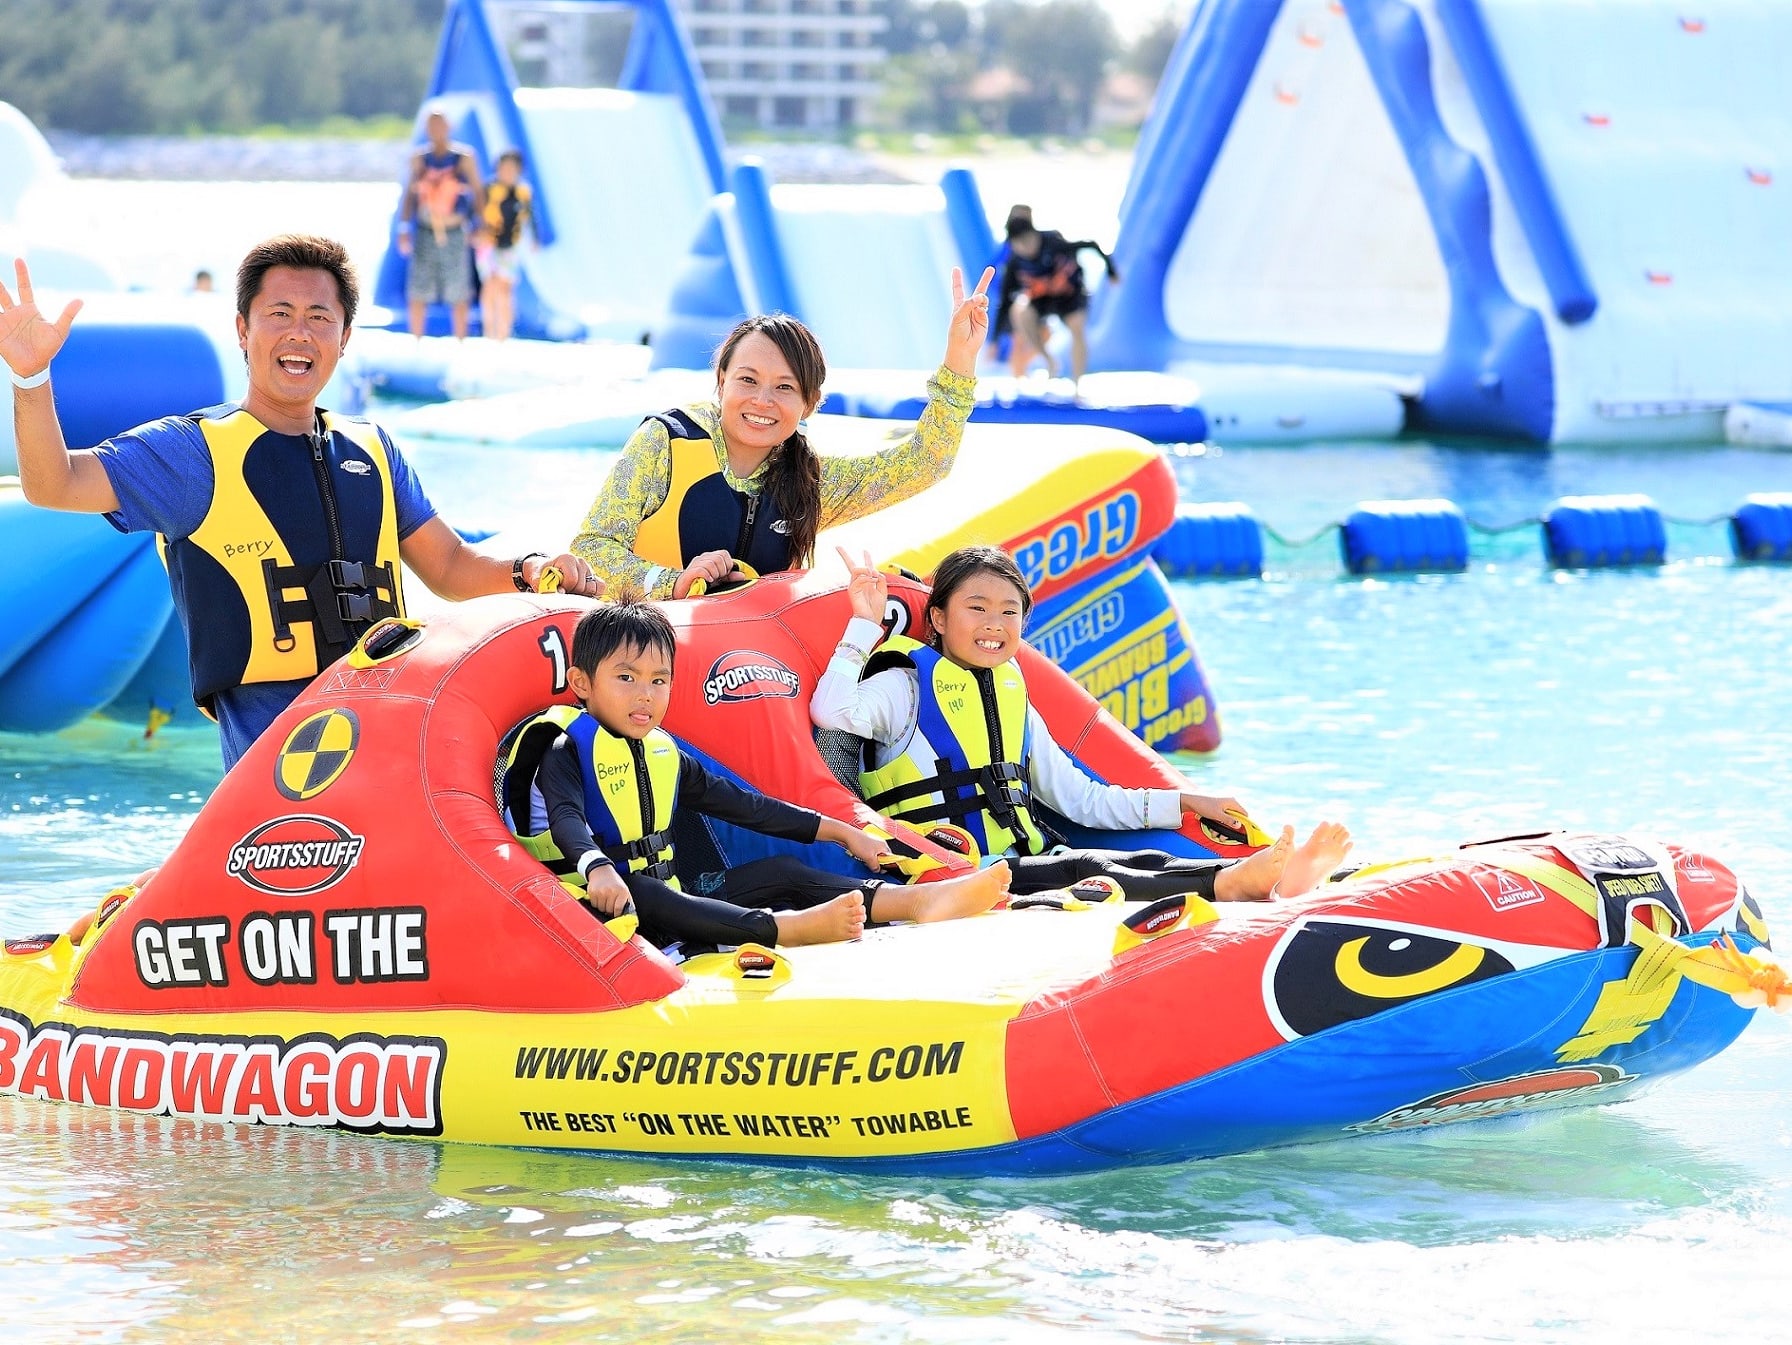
[[739, 909], [1052, 278]]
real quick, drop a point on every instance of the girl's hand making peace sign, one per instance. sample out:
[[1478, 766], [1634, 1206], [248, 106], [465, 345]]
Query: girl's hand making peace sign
[[867, 588]]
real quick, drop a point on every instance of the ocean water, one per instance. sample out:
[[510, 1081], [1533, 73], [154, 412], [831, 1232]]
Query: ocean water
[[1424, 712]]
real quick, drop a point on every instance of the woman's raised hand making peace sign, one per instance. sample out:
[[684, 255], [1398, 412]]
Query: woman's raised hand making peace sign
[[970, 323]]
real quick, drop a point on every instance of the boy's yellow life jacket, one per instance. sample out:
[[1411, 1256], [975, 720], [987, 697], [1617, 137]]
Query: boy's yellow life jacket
[[631, 787], [967, 759]]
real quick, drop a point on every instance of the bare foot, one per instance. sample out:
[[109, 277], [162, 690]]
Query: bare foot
[[1255, 878], [945, 900], [1318, 855], [831, 922]]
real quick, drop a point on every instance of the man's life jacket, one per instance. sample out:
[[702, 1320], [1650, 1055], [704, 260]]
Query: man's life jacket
[[703, 513], [966, 762], [443, 189], [631, 786], [297, 554]]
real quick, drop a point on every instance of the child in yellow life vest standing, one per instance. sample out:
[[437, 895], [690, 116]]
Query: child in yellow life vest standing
[[610, 784], [503, 216], [954, 740]]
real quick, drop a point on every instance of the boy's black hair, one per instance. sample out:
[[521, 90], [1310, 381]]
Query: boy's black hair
[[633, 623], [516, 154]]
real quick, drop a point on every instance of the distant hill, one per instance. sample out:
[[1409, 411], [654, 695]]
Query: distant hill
[[115, 67]]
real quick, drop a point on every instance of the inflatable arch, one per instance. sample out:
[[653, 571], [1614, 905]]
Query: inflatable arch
[[621, 176], [1442, 191]]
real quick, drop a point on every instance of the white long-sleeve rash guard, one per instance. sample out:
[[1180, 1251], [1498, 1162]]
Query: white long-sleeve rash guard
[[884, 708]]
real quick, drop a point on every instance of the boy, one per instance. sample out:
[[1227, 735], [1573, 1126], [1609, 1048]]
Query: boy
[[611, 782]]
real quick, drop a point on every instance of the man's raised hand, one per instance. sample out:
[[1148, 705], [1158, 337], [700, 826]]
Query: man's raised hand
[[27, 342]]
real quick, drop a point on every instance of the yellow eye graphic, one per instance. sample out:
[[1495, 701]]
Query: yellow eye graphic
[[1354, 976], [1336, 971], [1752, 921]]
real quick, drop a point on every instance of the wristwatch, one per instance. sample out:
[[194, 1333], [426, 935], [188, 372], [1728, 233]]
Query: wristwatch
[[516, 571]]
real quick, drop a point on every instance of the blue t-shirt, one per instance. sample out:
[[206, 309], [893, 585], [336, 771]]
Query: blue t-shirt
[[162, 475]]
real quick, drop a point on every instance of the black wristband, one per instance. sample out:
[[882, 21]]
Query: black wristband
[[516, 570]]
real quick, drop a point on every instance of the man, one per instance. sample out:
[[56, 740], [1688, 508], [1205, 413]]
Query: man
[[283, 525], [432, 227]]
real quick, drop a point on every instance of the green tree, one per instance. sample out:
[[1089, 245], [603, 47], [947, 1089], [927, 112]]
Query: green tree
[[1150, 50], [1063, 47]]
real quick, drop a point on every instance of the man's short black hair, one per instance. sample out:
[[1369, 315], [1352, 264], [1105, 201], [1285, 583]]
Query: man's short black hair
[[633, 623], [301, 252]]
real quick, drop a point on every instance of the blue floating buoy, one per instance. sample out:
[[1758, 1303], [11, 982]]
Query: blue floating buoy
[[1762, 528], [1211, 541], [1590, 531], [1405, 537]]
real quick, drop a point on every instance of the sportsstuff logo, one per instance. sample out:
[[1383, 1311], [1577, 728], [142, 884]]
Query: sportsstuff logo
[[295, 856], [1524, 1092], [748, 675]]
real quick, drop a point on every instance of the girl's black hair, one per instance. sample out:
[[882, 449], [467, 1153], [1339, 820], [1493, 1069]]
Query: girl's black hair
[[967, 562], [633, 623], [794, 477]]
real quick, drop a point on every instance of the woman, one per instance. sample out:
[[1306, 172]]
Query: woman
[[699, 488]]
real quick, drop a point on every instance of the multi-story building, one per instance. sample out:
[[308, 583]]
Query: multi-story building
[[788, 64], [774, 64]]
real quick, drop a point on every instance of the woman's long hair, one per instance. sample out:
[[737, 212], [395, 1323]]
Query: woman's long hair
[[794, 477]]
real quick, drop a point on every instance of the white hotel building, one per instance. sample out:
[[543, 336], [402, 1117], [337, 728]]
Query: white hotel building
[[788, 64], [774, 64]]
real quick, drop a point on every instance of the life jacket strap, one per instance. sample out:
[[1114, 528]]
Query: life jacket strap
[[1001, 789]]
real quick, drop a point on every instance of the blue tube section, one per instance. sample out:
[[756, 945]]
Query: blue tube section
[[111, 376], [1494, 375], [660, 60], [968, 221], [1513, 149], [751, 186], [1198, 97]]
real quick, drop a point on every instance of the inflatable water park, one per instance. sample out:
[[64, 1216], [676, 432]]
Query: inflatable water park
[[350, 935]]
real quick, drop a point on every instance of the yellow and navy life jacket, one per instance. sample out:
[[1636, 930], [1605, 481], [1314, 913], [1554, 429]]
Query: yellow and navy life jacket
[[297, 554], [506, 209], [630, 785], [967, 760], [703, 513]]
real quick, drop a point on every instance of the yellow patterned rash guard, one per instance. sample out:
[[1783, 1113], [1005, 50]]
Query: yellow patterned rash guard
[[851, 487]]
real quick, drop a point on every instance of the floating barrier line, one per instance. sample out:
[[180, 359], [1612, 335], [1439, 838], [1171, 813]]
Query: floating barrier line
[[1486, 529], [1224, 540]]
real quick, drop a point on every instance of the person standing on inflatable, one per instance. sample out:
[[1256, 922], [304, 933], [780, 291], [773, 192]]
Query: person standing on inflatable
[[283, 525], [440, 197], [954, 740], [1043, 278], [703, 489], [507, 212]]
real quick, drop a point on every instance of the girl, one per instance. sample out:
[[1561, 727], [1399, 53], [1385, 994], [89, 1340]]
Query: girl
[[954, 739], [699, 488]]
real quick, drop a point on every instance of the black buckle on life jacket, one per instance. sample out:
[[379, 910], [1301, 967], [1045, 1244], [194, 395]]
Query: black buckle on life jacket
[[1004, 786], [648, 848], [339, 595]]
